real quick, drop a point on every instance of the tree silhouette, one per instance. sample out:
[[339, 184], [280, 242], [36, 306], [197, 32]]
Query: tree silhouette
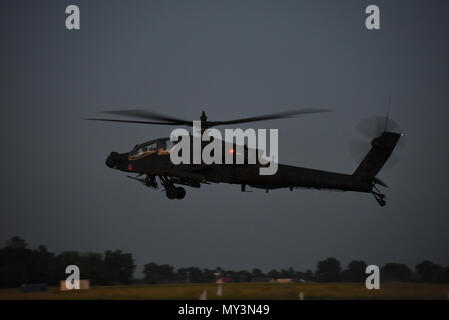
[[328, 270], [428, 271], [16, 243], [395, 272], [355, 272], [15, 263], [92, 267], [20, 264], [155, 273], [257, 273], [273, 274], [308, 275], [119, 267], [195, 274]]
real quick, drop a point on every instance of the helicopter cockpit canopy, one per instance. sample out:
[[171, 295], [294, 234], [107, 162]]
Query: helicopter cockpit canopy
[[160, 146]]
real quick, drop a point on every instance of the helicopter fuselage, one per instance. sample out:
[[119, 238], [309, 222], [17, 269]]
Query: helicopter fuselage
[[152, 159]]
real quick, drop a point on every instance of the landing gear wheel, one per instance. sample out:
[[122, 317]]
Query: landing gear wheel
[[180, 193], [171, 193], [382, 202]]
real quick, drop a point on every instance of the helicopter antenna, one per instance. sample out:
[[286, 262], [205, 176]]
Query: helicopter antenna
[[388, 112]]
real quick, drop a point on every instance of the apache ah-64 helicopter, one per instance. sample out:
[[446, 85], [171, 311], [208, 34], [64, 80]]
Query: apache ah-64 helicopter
[[152, 159]]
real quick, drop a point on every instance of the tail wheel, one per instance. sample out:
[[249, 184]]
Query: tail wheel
[[180, 193], [171, 193]]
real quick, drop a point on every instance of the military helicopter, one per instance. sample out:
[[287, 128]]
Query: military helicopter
[[151, 160]]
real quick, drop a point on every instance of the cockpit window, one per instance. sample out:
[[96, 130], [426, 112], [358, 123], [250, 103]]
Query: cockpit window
[[164, 147], [142, 151], [160, 147]]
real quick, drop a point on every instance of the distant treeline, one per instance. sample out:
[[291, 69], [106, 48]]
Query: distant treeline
[[328, 270], [19, 264]]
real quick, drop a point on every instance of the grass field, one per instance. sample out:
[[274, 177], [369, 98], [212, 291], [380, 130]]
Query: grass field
[[244, 291]]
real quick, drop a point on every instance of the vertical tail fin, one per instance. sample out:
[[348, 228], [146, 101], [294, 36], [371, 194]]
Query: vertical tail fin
[[381, 149]]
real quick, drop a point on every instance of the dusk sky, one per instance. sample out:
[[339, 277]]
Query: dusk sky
[[232, 59]]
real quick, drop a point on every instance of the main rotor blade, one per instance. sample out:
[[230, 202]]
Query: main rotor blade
[[150, 115], [134, 121], [280, 115]]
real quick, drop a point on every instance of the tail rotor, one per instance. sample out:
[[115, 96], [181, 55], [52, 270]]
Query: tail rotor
[[373, 127]]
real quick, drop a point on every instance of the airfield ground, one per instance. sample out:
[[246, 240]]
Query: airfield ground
[[244, 291]]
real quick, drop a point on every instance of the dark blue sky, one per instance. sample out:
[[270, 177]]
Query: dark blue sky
[[232, 59]]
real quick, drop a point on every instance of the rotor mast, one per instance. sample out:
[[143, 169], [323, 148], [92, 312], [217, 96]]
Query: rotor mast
[[204, 122]]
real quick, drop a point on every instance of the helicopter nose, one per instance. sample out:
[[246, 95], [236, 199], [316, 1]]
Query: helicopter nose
[[118, 161], [112, 160]]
